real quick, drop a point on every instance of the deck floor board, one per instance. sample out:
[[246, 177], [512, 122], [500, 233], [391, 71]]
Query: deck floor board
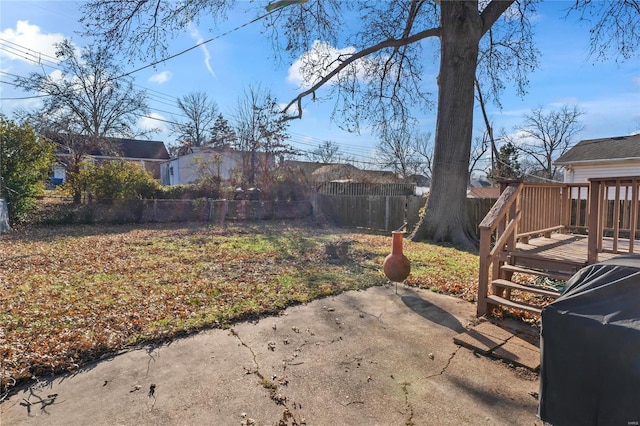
[[570, 248]]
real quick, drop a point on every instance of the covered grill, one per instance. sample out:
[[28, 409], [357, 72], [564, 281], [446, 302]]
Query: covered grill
[[590, 347]]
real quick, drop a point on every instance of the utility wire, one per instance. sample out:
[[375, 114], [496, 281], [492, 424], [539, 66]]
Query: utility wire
[[197, 45]]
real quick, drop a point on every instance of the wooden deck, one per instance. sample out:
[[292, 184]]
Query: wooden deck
[[570, 249], [527, 232]]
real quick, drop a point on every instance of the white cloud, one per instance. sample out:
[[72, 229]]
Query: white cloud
[[153, 121], [312, 65], [207, 56], [27, 43], [161, 77]]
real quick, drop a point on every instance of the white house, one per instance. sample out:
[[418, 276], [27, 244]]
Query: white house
[[601, 158], [187, 168]]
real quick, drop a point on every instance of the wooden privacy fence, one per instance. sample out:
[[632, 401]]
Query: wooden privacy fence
[[385, 213], [361, 189], [369, 211], [203, 210]]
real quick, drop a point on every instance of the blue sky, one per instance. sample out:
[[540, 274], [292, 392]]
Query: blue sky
[[609, 93]]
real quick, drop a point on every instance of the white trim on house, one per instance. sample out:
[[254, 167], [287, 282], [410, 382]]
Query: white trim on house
[[570, 164], [582, 173]]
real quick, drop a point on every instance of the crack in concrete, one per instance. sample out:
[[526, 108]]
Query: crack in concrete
[[272, 387], [150, 352], [405, 390], [256, 371], [453, 354]]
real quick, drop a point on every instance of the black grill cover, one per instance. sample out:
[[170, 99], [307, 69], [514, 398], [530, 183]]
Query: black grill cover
[[590, 348]]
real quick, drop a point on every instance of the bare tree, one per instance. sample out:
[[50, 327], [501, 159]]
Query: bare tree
[[326, 152], [544, 136], [479, 148], [394, 152], [423, 148], [261, 131], [380, 79], [200, 113], [397, 151], [85, 105]]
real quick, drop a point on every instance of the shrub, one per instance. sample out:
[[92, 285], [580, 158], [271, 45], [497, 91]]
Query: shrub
[[25, 161], [187, 192], [117, 180]]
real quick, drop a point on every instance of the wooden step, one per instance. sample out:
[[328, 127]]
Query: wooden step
[[514, 286], [492, 299], [545, 263], [554, 275]]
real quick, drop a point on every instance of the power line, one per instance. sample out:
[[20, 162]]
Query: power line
[[198, 44], [37, 58]]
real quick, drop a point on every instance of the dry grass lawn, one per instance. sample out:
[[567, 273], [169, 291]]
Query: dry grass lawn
[[74, 294]]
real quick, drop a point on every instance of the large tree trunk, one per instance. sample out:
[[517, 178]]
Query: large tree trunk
[[446, 217]]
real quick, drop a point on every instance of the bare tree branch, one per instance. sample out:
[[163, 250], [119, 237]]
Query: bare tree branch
[[433, 32]]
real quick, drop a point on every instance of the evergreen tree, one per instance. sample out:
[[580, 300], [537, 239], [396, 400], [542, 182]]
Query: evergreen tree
[[507, 165], [222, 133]]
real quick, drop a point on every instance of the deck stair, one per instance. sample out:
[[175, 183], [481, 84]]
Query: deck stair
[[552, 230], [501, 287]]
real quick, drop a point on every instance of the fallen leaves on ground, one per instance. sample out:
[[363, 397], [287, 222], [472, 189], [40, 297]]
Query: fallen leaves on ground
[[70, 295]]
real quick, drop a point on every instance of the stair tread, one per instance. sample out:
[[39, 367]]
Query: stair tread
[[560, 275], [547, 257], [530, 289], [497, 300]]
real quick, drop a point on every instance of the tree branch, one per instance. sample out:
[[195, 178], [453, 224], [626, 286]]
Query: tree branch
[[433, 32], [492, 12]]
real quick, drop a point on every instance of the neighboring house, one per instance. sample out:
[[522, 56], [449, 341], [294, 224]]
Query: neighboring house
[[148, 154], [478, 182], [492, 193], [348, 172], [601, 158], [187, 168], [335, 172]]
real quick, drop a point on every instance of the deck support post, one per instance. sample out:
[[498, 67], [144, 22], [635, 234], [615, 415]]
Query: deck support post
[[483, 276], [593, 222]]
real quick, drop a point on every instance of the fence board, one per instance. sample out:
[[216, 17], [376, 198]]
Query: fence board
[[387, 213], [362, 189]]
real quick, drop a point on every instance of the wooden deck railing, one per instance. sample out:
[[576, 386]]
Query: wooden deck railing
[[499, 225], [607, 209], [614, 207]]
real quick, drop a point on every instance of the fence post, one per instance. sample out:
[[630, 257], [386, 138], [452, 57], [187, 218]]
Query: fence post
[[387, 207], [371, 212], [4, 217]]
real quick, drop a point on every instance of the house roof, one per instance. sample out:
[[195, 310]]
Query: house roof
[[484, 192], [306, 167], [127, 148], [134, 148], [597, 150], [334, 172]]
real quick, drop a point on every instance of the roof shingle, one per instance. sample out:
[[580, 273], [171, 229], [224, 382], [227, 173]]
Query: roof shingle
[[621, 147]]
